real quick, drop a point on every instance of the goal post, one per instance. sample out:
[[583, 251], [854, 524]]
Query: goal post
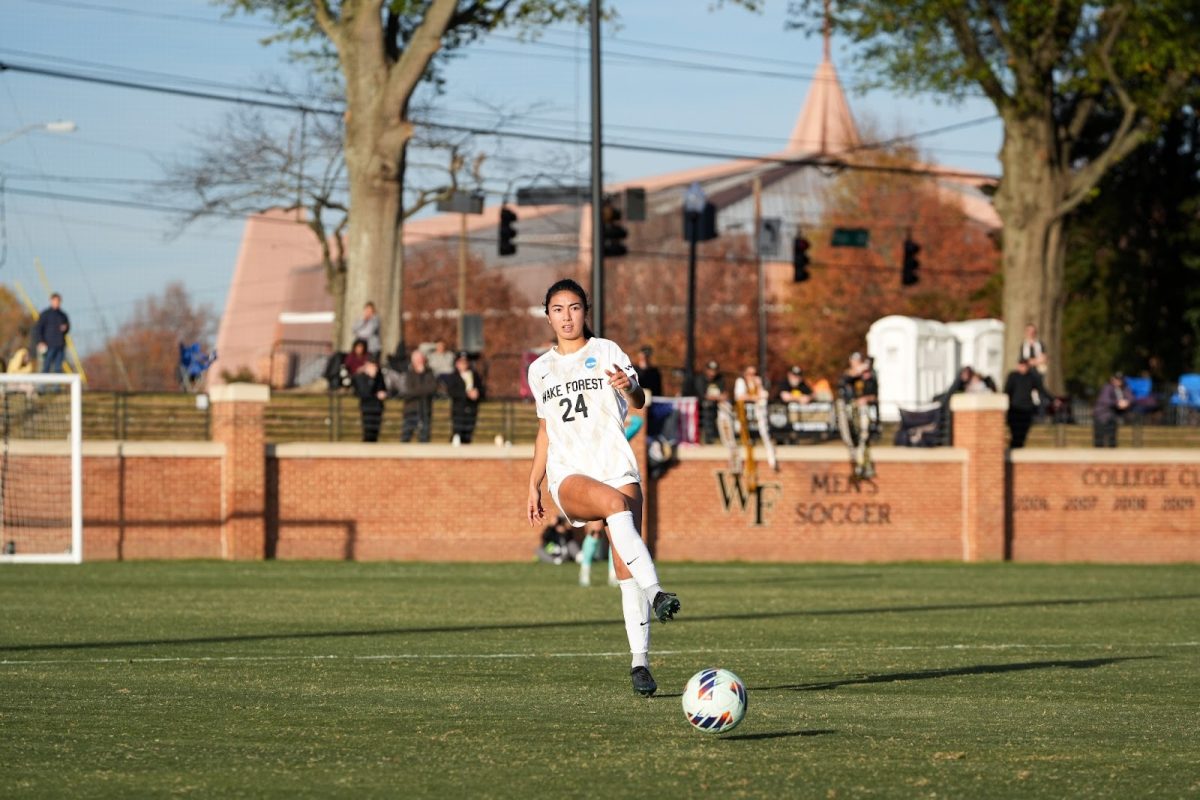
[[41, 469]]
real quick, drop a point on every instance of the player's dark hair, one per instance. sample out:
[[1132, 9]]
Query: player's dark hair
[[568, 285]]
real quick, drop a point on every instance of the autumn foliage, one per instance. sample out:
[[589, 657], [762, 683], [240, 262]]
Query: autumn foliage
[[143, 355]]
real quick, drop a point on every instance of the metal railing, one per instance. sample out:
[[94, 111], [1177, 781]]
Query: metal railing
[[335, 417]]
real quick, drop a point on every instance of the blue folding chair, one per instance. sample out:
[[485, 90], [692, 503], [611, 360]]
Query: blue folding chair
[[1140, 388], [1186, 399], [193, 363]]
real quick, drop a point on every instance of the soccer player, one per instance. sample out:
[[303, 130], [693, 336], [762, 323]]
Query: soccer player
[[582, 387]]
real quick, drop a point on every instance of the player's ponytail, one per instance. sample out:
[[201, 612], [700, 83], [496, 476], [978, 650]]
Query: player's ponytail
[[568, 285]]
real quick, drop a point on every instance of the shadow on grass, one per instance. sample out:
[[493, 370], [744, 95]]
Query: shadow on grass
[[950, 672], [856, 576], [754, 737], [581, 623]]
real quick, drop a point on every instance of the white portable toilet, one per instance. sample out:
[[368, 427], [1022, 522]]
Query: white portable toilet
[[915, 360], [981, 346]]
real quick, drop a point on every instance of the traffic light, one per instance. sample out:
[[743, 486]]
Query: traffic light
[[507, 231], [908, 275], [800, 260], [614, 232]]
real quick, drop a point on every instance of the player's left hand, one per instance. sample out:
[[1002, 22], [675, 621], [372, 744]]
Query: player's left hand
[[619, 379]]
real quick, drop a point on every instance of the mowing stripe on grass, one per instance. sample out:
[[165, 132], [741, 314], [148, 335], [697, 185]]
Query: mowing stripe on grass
[[602, 654]]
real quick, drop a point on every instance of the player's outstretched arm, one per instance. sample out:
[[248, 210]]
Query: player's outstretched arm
[[540, 446]]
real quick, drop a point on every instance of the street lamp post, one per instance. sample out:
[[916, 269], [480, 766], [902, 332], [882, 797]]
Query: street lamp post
[[694, 202], [59, 126]]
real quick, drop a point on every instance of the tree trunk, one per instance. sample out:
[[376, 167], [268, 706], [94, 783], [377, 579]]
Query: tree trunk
[[1034, 250]]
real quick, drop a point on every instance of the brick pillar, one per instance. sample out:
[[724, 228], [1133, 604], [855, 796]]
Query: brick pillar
[[979, 428], [237, 423]]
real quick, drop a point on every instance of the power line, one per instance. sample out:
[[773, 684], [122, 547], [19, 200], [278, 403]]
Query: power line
[[824, 162], [433, 238]]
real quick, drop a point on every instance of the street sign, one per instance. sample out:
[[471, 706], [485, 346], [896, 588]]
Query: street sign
[[462, 203], [850, 237]]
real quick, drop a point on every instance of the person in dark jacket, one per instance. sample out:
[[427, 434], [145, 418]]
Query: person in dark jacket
[[1114, 400], [649, 378], [50, 334], [418, 386], [369, 386], [1022, 386], [465, 388]]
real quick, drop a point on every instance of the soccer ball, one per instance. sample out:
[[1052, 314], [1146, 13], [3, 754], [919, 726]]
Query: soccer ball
[[714, 700]]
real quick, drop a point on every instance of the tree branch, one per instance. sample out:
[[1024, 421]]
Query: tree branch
[[960, 24], [426, 40]]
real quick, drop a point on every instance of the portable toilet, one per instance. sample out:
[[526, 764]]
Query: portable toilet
[[981, 346], [915, 360]]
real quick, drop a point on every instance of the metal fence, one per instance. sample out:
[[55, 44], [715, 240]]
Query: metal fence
[[335, 417]]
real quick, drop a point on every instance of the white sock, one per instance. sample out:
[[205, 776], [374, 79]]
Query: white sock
[[637, 621], [632, 550]]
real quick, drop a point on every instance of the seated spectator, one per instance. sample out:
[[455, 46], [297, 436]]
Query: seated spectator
[[796, 389], [357, 358], [367, 329], [558, 543], [441, 362], [1111, 404], [970, 382]]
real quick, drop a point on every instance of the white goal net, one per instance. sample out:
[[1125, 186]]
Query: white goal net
[[41, 492]]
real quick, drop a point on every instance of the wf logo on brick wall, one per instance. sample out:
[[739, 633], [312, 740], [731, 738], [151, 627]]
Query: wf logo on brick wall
[[735, 493]]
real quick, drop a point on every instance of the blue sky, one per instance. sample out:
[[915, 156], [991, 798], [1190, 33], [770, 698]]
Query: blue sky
[[104, 258]]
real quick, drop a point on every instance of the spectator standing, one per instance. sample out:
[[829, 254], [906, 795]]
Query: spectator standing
[[1111, 404], [465, 388], [1033, 350], [418, 386], [368, 385], [50, 334], [709, 387], [367, 329], [858, 392], [1025, 389], [649, 378]]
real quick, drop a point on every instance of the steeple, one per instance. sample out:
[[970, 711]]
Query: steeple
[[825, 125]]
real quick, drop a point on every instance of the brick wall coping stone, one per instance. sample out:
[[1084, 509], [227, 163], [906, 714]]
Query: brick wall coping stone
[[240, 393], [829, 452], [115, 449], [1104, 455], [964, 401], [400, 451]]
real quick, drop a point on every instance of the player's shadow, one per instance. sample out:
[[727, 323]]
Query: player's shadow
[[949, 672], [755, 737]]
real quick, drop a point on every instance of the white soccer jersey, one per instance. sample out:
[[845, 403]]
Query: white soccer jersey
[[585, 415]]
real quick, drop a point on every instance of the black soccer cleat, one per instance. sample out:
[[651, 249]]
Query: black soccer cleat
[[643, 681], [666, 606]]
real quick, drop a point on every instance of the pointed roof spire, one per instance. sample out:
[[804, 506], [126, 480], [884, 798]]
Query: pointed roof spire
[[825, 125]]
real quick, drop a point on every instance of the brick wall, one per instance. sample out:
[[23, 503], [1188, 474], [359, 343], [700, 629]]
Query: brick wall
[[810, 510], [237, 498], [1106, 505], [151, 500], [393, 501]]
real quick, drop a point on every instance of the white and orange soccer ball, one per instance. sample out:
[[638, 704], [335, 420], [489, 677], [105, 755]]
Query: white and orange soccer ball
[[714, 700]]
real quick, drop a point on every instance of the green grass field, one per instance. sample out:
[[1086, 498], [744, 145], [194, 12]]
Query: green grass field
[[322, 679]]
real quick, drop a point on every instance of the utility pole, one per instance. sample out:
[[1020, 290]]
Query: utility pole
[[462, 281], [762, 279], [597, 179]]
